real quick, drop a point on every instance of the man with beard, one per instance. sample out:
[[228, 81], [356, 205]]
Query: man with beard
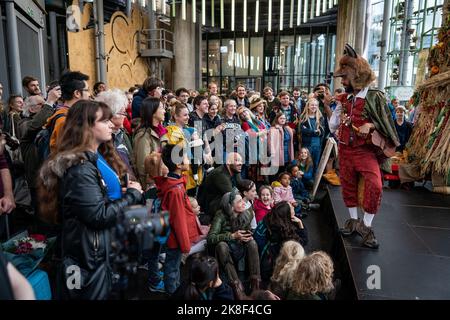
[[31, 85], [220, 181], [357, 115], [232, 240]]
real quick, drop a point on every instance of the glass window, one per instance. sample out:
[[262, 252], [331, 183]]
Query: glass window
[[256, 56], [375, 35], [318, 59], [301, 58], [287, 54], [287, 57], [227, 50], [241, 57], [214, 58], [271, 49]]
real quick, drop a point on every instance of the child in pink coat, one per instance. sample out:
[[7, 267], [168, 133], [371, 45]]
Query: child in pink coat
[[282, 191]]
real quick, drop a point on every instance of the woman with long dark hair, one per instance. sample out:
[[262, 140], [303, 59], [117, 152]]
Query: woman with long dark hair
[[72, 193], [282, 225], [148, 139]]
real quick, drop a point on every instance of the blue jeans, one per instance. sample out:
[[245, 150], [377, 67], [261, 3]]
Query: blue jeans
[[152, 259], [172, 270], [315, 154]]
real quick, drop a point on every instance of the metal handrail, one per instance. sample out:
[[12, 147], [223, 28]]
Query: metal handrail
[[161, 39]]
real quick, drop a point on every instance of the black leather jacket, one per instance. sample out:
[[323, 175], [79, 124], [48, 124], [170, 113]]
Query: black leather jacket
[[87, 214]]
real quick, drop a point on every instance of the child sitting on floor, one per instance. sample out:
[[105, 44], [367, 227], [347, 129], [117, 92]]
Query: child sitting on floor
[[306, 166], [282, 191], [264, 204], [313, 279], [291, 254]]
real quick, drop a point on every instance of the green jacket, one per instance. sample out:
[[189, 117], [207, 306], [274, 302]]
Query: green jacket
[[29, 128], [221, 227], [144, 143]]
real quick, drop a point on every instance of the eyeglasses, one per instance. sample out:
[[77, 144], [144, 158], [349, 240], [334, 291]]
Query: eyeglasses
[[124, 114]]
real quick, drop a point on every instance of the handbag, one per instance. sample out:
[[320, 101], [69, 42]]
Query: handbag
[[380, 141]]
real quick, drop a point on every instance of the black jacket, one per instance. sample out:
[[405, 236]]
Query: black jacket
[[87, 214], [216, 184]]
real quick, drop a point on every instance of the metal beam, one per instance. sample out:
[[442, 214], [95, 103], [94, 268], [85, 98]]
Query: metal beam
[[101, 42], [13, 48], [54, 44], [384, 44]]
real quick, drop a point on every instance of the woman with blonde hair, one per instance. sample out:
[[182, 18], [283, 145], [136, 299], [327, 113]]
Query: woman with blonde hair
[[286, 265], [313, 278], [311, 127], [180, 132]]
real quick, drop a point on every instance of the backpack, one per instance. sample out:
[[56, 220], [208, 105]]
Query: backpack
[[42, 140]]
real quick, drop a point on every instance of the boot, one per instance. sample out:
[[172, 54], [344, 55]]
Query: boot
[[239, 291], [350, 227], [368, 236]]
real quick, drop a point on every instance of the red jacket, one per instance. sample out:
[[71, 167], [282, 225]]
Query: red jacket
[[184, 229], [260, 210]]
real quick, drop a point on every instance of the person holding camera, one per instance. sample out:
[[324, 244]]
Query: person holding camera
[[231, 238], [72, 193]]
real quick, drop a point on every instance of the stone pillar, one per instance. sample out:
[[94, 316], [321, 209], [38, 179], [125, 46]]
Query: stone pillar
[[185, 51], [352, 28]]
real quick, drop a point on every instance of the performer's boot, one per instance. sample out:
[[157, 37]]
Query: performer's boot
[[368, 236], [350, 227]]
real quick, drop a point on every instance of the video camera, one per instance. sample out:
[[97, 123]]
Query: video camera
[[145, 225], [136, 232]]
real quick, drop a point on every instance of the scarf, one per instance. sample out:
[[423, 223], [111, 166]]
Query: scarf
[[160, 130]]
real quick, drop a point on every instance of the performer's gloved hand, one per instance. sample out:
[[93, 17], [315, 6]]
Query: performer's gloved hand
[[365, 129]]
